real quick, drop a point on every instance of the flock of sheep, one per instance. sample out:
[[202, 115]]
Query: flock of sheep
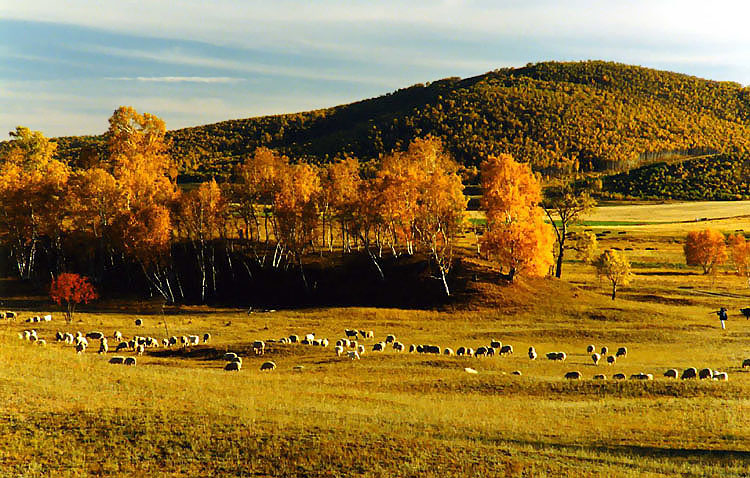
[[348, 346]]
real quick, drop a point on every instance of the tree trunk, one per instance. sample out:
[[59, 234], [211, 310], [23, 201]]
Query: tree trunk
[[558, 268], [510, 275], [614, 290]]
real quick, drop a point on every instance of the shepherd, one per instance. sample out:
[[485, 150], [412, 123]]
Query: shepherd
[[722, 313]]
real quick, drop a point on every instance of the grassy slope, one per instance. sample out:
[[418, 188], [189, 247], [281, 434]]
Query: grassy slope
[[178, 413]]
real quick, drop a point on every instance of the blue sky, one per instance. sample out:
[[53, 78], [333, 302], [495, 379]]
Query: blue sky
[[65, 66]]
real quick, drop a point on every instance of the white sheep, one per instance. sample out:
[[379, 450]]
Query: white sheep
[[398, 347], [619, 376], [94, 335], [117, 359], [122, 346], [590, 349], [605, 350], [339, 350], [117, 336], [595, 358], [69, 338], [47, 318], [353, 355], [575, 375], [130, 361], [412, 348], [360, 349], [470, 370], [165, 342], [469, 351], [80, 348], [103, 346], [532, 353], [230, 356], [310, 337], [390, 338], [448, 351], [194, 339], [506, 350], [293, 339], [600, 376], [233, 366], [59, 336], [496, 344], [689, 373], [621, 352], [611, 359], [259, 347], [324, 343], [139, 349], [378, 347], [746, 363], [705, 373], [350, 333], [206, 337], [722, 376], [41, 342]]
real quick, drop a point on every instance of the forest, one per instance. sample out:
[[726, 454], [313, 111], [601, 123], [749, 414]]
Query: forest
[[563, 119]]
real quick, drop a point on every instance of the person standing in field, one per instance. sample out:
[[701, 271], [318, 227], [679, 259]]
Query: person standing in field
[[722, 313]]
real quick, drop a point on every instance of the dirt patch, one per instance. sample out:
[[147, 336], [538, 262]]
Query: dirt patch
[[658, 299]]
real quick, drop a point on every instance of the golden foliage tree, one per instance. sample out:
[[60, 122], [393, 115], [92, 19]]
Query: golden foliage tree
[[706, 248], [564, 207], [615, 267], [739, 251], [517, 236]]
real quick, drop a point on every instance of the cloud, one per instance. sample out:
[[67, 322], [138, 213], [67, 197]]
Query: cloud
[[178, 79]]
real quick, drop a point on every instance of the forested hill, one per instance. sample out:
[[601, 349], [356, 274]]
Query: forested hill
[[561, 117]]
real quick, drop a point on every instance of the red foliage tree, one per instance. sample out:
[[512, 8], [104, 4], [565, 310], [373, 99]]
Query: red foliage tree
[[72, 289]]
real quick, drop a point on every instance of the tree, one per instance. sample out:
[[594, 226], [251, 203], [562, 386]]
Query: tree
[[564, 207], [517, 236], [585, 245], [615, 267], [739, 250], [71, 289], [705, 248]]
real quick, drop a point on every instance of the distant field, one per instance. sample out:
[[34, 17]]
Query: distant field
[[178, 413]]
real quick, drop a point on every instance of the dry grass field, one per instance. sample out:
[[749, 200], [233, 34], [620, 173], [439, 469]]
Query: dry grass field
[[178, 413]]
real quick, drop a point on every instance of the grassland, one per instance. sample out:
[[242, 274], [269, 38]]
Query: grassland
[[177, 413]]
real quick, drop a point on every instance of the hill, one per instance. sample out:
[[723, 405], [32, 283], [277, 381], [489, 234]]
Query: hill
[[561, 117]]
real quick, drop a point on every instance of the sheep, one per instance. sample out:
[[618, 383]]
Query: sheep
[[412, 348], [194, 339], [671, 373], [80, 348], [619, 376], [390, 338], [183, 340], [103, 346], [532, 353], [283, 340], [350, 333], [82, 340], [496, 344], [139, 349], [69, 338], [11, 315], [268, 366], [353, 344], [689, 373], [233, 366], [324, 343], [117, 336], [621, 352], [721, 376], [130, 361], [491, 351], [138, 322], [317, 342], [470, 370], [398, 347], [369, 334], [506, 350], [641, 376], [165, 342], [236, 359], [353, 355], [122, 346], [431, 349], [94, 335], [448, 351], [480, 352], [117, 359], [705, 373], [310, 337], [605, 350], [41, 342], [600, 376], [575, 375], [47, 318], [379, 347], [469, 351], [746, 363], [360, 349], [293, 339], [2, 315], [558, 356], [611, 359], [304, 342], [596, 357], [206, 337], [59, 336], [590, 349], [259, 347], [229, 356], [173, 340], [461, 351], [338, 350]]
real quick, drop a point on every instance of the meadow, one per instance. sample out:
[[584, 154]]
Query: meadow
[[178, 413]]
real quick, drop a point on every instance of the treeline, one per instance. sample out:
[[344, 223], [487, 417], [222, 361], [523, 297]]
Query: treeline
[[562, 118], [723, 177], [122, 221]]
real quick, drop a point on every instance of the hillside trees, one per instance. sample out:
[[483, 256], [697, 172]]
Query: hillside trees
[[739, 251], [564, 207], [517, 236], [32, 187], [706, 248]]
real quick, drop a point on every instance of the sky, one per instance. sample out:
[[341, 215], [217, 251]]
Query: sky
[[66, 66]]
